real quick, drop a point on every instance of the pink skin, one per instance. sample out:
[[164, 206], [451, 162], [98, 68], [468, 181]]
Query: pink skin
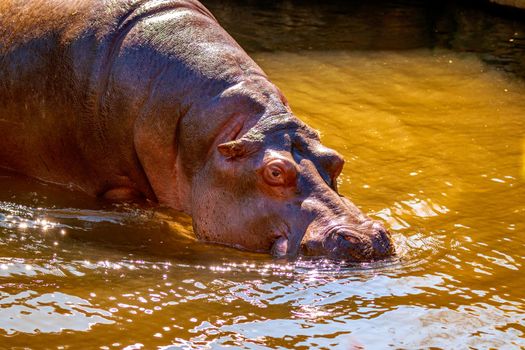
[[153, 100]]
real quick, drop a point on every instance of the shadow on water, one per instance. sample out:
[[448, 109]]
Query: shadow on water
[[494, 33]]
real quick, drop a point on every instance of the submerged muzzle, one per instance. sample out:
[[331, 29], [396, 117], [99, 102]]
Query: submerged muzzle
[[369, 241]]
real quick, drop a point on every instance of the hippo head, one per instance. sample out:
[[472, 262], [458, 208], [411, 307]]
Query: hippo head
[[273, 189]]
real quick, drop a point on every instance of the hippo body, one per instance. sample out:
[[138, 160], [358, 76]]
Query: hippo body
[[152, 99]]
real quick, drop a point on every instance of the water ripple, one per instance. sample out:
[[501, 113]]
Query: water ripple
[[31, 312]]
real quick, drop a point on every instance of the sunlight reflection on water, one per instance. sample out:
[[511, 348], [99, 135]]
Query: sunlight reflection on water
[[31, 312]]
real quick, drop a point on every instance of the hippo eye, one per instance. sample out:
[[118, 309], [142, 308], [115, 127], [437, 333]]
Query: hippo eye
[[278, 172]]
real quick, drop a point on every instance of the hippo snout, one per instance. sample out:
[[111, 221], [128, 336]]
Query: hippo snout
[[382, 244], [366, 242]]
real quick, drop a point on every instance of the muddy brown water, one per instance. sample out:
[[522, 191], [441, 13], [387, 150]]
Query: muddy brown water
[[434, 138]]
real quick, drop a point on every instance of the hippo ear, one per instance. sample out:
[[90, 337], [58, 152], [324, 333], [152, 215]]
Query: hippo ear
[[232, 149]]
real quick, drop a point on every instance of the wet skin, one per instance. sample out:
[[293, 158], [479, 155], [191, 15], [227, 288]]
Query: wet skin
[[154, 100]]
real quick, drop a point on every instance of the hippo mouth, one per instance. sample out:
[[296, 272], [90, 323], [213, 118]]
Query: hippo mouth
[[280, 245]]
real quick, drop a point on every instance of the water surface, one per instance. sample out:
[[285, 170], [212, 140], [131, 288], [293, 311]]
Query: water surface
[[434, 140]]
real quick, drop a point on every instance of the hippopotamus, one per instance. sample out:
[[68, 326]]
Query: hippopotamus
[[152, 100]]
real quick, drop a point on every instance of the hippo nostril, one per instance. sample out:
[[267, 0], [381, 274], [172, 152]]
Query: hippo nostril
[[375, 245], [359, 243], [349, 237], [382, 243]]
